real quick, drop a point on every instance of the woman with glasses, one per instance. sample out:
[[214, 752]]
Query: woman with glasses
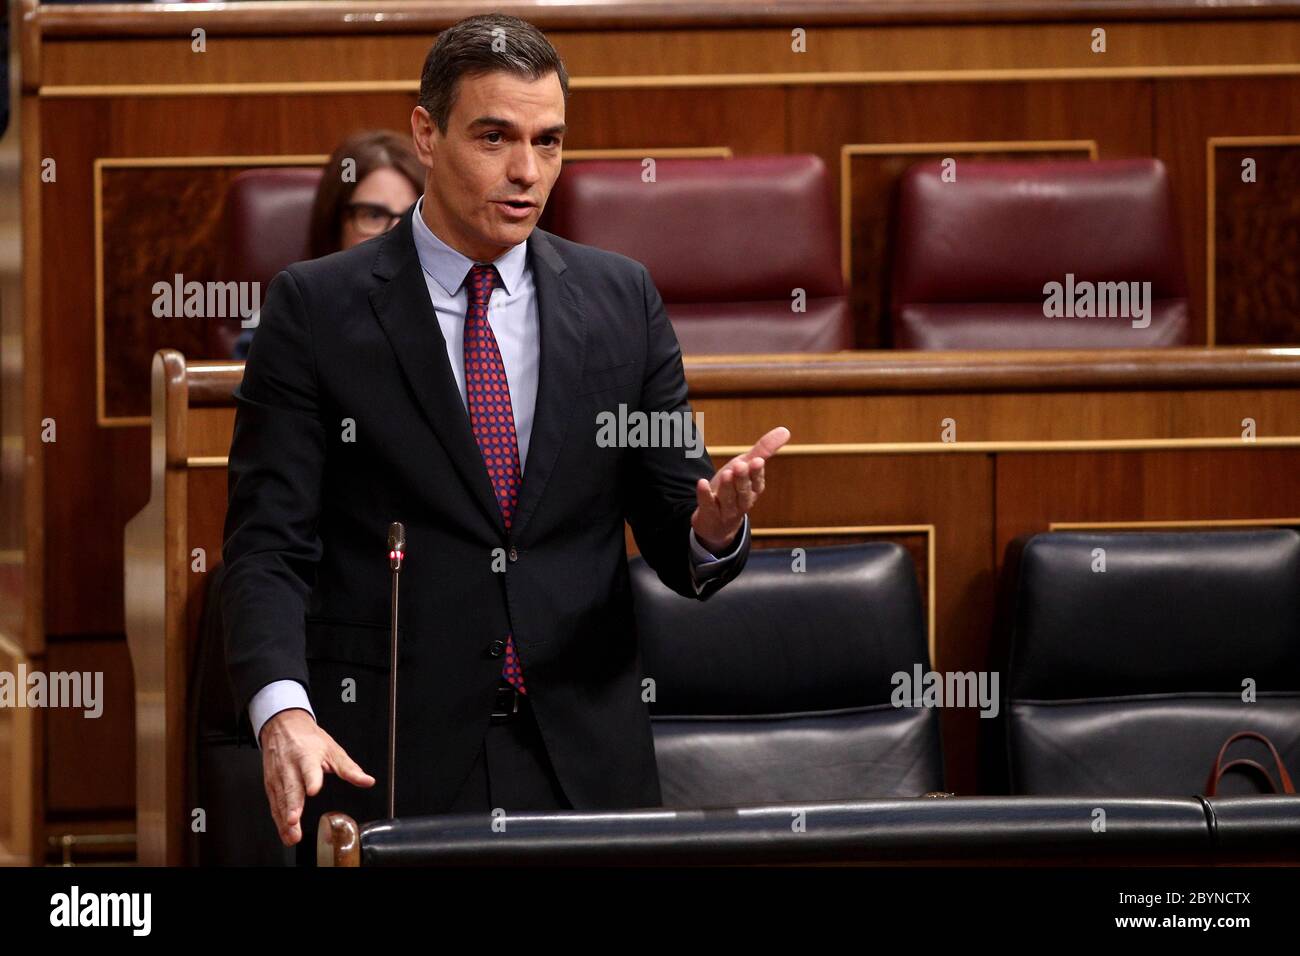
[[349, 209]]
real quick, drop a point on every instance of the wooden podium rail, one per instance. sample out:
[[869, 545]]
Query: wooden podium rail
[[952, 455]]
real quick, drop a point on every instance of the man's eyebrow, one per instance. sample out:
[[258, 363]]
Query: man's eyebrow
[[510, 125]]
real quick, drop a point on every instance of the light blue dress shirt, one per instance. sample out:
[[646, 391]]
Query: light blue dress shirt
[[513, 316]]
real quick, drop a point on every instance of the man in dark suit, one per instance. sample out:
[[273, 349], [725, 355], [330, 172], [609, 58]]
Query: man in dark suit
[[450, 374]]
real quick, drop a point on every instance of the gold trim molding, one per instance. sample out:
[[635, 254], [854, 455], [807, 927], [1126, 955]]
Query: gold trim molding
[[1180, 523], [688, 80], [1005, 447]]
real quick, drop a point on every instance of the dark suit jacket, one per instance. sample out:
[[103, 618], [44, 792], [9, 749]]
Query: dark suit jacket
[[353, 336]]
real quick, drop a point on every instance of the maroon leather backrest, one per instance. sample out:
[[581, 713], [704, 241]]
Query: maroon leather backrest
[[268, 213], [267, 218], [971, 256], [726, 242]]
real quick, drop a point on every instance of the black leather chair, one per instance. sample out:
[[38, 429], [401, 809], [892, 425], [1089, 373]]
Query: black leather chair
[[778, 687], [1128, 681]]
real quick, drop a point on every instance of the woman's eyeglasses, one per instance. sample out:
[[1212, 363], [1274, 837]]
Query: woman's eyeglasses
[[370, 218]]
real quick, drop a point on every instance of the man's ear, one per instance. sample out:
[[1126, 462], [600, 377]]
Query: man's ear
[[423, 132]]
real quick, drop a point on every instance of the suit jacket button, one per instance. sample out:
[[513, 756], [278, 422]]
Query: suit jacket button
[[513, 555], [497, 648]]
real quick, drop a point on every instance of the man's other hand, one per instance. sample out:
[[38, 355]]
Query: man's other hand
[[721, 504], [296, 754]]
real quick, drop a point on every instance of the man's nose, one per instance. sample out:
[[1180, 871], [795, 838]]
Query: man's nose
[[523, 166]]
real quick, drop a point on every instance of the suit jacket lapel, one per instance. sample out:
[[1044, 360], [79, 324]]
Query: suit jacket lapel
[[562, 320], [406, 315]]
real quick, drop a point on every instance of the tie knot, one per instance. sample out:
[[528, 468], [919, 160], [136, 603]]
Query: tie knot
[[483, 278]]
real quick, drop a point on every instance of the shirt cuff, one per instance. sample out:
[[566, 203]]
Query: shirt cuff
[[703, 560], [270, 700]]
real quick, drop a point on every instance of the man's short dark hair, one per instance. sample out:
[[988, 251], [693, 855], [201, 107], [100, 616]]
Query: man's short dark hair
[[472, 47]]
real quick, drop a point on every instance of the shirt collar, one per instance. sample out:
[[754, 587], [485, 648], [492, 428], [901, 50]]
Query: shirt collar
[[449, 267]]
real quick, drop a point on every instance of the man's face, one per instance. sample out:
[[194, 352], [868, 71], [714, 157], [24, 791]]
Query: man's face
[[503, 143]]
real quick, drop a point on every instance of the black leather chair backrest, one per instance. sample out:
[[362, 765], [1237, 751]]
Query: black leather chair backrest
[[777, 688], [1127, 681]]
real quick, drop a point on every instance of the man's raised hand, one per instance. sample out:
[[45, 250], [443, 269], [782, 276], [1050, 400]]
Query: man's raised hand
[[723, 502]]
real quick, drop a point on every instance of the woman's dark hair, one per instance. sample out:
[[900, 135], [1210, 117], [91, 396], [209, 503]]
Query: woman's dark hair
[[474, 46], [369, 150]]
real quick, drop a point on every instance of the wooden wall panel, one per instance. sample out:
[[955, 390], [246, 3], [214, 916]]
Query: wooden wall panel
[[1189, 112], [95, 769], [1255, 235], [649, 50], [1159, 490], [181, 233]]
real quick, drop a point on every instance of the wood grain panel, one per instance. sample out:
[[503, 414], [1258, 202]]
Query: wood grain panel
[[180, 232], [1193, 486], [1254, 276], [1054, 416], [1189, 113], [651, 54], [95, 769], [305, 17]]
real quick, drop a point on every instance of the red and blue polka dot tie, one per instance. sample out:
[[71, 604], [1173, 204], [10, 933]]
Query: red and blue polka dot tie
[[492, 417]]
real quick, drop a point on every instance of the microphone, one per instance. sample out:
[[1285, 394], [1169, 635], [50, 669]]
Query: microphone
[[396, 544], [396, 551]]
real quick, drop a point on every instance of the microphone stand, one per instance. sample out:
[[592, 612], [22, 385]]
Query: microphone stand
[[396, 551]]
